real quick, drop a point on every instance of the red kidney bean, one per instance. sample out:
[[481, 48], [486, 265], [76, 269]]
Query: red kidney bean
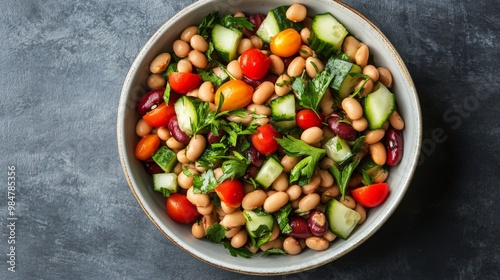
[[287, 60], [394, 146], [153, 168], [255, 157], [300, 229], [211, 138], [256, 20], [317, 222], [340, 128], [150, 100], [255, 83], [177, 133]]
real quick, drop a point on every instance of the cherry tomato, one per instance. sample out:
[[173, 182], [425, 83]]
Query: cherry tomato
[[307, 118], [180, 209], [147, 146], [254, 64], [231, 192], [371, 195], [160, 115], [286, 43], [237, 94], [264, 140], [184, 82]]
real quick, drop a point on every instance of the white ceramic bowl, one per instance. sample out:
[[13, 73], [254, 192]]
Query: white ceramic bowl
[[153, 203]]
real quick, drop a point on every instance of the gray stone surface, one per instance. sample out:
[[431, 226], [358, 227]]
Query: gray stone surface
[[62, 66]]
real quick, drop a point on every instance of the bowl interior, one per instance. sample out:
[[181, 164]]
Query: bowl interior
[[153, 203]]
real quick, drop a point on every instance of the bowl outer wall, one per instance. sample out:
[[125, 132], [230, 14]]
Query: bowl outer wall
[[215, 254]]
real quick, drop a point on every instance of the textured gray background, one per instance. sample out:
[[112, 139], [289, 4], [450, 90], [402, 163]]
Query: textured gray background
[[61, 70]]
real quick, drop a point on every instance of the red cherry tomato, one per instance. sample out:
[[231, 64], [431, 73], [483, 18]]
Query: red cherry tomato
[[184, 82], [254, 64], [264, 140], [371, 195], [160, 115], [307, 118], [231, 192], [180, 209]]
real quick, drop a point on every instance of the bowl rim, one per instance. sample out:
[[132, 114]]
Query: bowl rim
[[384, 217]]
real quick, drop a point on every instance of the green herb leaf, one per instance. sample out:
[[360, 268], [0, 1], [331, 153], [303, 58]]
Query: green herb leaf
[[295, 147], [211, 156], [216, 233], [235, 252], [262, 235], [274, 251], [343, 175], [235, 167], [205, 182], [236, 22], [207, 23], [310, 92], [281, 217], [210, 76]]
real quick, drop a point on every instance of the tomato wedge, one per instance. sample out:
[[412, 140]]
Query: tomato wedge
[[184, 82], [264, 140], [180, 209], [231, 192], [160, 115], [371, 195]]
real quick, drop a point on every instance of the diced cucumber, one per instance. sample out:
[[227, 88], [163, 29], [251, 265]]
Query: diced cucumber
[[275, 22], [226, 42], [341, 219], [283, 108], [378, 106], [165, 183], [185, 109], [269, 171], [327, 35], [345, 79], [165, 158], [254, 220], [284, 126], [337, 149]]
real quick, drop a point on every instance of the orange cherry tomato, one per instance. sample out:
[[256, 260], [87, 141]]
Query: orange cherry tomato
[[286, 43], [237, 94], [371, 195], [160, 115], [147, 146], [231, 192]]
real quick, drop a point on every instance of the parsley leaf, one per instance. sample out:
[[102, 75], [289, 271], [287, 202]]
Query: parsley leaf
[[282, 218], [310, 92], [216, 233], [236, 22], [262, 235], [211, 77], [205, 182], [235, 167], [211, 156], [304, 169], [242, 252], [342, 175], [207, 23], [274, 251], [172, 67]]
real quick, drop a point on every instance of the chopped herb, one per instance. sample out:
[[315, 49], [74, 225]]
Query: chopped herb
[[281, 217], [342, 175], [205, 182], [235, 252], [211, 77], [274, 251], [234, 167], [310, 92], [236, 22], [207, 23], [216, 233]]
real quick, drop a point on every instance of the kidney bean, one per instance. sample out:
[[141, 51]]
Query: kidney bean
[[255, 83], [342, 129], [256, 20], [394, 146], [300, 229], [317, 222], [211, 138], [150, 100], [255, 157], [153, 168], [177, 133]]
